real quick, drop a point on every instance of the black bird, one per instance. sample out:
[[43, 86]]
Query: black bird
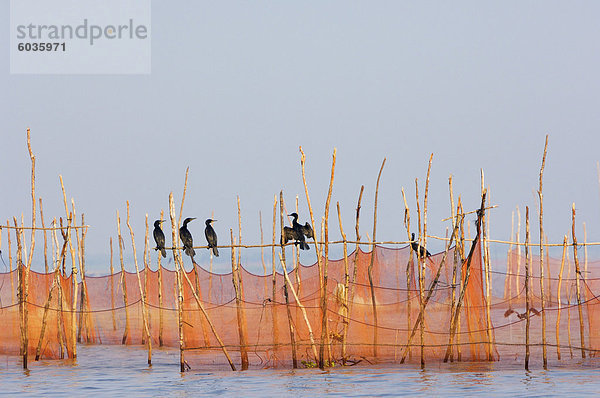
[[186, 238], [420, 250], [159, 237], [211, 237], [300, 231]]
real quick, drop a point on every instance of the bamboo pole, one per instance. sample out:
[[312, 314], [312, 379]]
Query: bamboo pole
[[346, 287], [33, 201], [45, 237], [408, 272], [187, 170], [178, 269], [543, 305], [569, 307], [123, 280], [160, 294], [577, 276], [585, 259], [112, 286], [59, 319], [324, 326], [285, 292], [527, 290], [558, 296], [88, 315], [370, 269], [239, 260], [310, 331], [454, 319], [142, 295], [237, 280], [518, 248]]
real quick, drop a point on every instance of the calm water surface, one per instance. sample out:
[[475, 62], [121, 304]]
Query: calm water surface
[[117, 370]]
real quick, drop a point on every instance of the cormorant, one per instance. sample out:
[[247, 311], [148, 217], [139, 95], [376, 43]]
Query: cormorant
[[186, 238], [159, 237], [420, 250], [299, 231], [211, 237]]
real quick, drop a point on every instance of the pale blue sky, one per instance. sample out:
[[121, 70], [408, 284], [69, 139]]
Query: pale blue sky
[[236, 87]]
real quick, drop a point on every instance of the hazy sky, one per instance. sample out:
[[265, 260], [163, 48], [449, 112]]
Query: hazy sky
[[236, 87]]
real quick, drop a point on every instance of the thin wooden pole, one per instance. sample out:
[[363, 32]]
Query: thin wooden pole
[[420, 276], [274, 283], [370, 269], [71, 217], [558, 296], [518, 276], [507, 281], [187, 170], [145, 260], [21, 296], [569, 307], [310, 331], [33, 201], [262, 249], [577, 276], [357, 249], [285, 290], [543, 305], [421, 256], [527, 292], [486, 266], [112, 287], [454, 319], [312, 220], [10, 265], [178, 268], [346, 287], [409, 264], [123, 281], [324, 327], [235, 275], [45, 237], [160, 294], [430, 292], [142, 295]]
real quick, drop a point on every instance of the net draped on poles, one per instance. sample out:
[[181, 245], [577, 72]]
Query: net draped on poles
[[103, 318]]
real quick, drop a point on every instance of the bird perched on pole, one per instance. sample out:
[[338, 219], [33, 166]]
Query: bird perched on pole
[[420, 250], [211, 237], [159, 237], [186, 238], [298, 232]]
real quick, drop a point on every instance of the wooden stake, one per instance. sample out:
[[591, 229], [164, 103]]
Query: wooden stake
[[558, 296], [237, 280], [577, 276], [10, 265], [179, 270], [346, 287], [123, 281], [569, 307], [310, 331], [527, 293], [486, 267], [324, 329], [453, 321], [543, 305], [22, 295], [142, 295], [112, 287], [370, 269], [274, 279], [409, 264], [432, 287], [160, 294], [45, 237], [357, 249], [285, 292]]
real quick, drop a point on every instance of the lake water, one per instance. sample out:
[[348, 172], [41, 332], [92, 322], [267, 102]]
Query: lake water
[[121, 370]]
